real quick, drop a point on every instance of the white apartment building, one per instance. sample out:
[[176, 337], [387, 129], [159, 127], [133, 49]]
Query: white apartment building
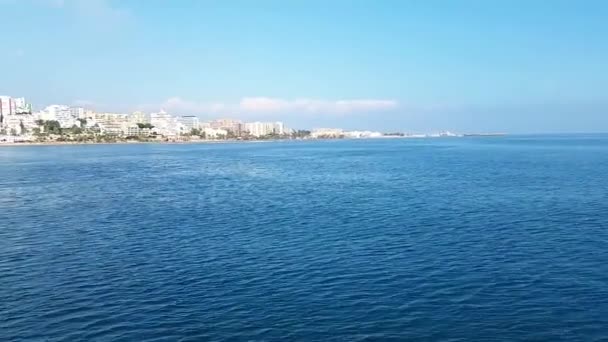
[[258, 129], [279, 128], [134, 130], [254, 128], [189, 122], [89, 114], [14, 105], [111, 117], [161, 122], [7, 105], [77, 112], [59, 113], [109, 123], [20, 123], [139, 117], [227, 124], [167, 125], [22, 107]]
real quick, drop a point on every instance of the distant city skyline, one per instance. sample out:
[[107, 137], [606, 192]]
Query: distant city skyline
[[468, 66]]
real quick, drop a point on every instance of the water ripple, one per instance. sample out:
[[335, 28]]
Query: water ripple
[[450, 240]]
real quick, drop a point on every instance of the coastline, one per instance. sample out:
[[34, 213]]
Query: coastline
[[227, 141], [71, 143]]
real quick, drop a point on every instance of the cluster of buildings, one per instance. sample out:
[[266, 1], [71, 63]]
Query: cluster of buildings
[[332, 133], [14, 105], [19, 122], [18, 119], [14, 115]]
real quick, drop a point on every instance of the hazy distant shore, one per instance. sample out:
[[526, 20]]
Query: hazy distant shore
[[187, 142], [61, 143]]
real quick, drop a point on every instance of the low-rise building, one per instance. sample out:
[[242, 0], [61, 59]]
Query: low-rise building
[[135, 131], [214, 133], [19, 123], [327, 133], [362, 134], [111, 123]]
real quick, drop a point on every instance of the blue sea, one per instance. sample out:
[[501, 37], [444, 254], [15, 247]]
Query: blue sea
[[502, 238]]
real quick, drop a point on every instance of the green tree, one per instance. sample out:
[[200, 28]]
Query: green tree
[[144, 125], [76, 130], [52, 127], [83, 122], [300, 134]]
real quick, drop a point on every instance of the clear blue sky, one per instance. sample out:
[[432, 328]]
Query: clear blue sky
[[506, 65]]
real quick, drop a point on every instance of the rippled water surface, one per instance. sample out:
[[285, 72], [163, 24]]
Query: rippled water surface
[[454, 239]]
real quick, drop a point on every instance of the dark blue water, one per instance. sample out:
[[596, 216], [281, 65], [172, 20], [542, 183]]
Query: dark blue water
[[455, 239]]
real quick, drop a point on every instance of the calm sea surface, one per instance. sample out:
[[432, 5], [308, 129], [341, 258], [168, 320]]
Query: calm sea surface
[[453, 239]]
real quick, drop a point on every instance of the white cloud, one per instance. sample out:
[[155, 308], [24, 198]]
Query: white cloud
[[273, 105], [270, 105]]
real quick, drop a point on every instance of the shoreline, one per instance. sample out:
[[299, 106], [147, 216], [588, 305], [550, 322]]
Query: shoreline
[[73, 143], [233, 141]]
